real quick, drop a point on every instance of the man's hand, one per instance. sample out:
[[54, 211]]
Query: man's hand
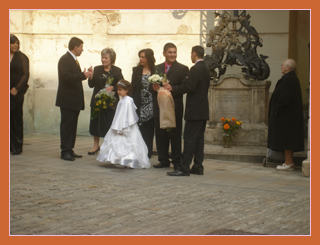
[[14, 91], [86, 73], [167, 86]]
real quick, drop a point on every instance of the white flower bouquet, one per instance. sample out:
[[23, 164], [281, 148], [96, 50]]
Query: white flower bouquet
[[156, 78]]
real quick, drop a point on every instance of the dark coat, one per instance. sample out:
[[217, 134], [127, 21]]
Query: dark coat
[[19, 72], [176, 74], [285, 127], [70, 91], [136, 85], [196, 86], [100, 125]]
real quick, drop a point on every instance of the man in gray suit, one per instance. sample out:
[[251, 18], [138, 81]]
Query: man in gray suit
[[196, 114]]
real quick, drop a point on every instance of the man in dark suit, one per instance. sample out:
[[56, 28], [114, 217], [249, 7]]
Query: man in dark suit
[[176, 73], [196, 114], [70, 97]]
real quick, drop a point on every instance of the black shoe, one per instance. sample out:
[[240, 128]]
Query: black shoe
[[192, 171], [67, 157], [75, 155], [178, 173], [161, 165], [94, 152], [15, 153]]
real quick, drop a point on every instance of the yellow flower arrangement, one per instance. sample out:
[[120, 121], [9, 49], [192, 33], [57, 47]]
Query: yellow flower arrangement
[[103, 100]]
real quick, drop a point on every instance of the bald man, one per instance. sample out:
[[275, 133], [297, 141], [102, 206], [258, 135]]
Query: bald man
[[285, 125]]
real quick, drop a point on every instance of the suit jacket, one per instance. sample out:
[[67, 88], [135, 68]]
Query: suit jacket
[[98, 82], [70, 91], [136, 85], [196, 86], [176, 74]]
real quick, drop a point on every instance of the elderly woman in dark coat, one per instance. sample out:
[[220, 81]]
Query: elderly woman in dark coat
[[285, 129], [99, 79], [143, 97], [19, 76]]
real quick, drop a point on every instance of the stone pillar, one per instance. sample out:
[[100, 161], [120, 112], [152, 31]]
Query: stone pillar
[[245, 100], [306, 163]]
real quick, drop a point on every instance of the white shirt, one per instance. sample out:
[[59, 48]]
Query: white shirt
[[75, 57]]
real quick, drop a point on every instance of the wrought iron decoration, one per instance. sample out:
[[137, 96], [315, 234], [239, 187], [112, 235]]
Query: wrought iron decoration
[[234, 42]]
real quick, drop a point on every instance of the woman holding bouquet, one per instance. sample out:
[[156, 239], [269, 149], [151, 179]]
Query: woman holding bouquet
[[104, 77], [143, 97]]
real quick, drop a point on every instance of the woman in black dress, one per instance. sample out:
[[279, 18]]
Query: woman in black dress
[[143, 97], [99, 80], [19, 75]]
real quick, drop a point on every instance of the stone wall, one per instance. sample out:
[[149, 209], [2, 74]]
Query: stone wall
[[44, 36]]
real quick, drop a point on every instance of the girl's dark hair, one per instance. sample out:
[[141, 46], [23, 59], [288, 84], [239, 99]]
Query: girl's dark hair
[[124, 84], [13, 39], [149, 56]]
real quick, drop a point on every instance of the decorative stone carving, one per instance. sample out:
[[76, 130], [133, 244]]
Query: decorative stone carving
[[247, 101], [234, 42]]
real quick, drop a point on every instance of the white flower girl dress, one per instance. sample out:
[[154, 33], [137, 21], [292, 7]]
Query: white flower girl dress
[[123, 144]]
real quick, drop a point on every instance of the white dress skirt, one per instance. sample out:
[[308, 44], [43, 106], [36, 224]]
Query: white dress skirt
[[123, 144]]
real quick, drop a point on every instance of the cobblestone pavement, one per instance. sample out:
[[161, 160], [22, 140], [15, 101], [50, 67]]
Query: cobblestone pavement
[[50, 196]]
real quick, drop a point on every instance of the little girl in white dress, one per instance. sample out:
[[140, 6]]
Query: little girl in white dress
[[123, 144]]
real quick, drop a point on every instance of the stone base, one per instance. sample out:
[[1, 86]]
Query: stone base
[[306, 167], [249, 135]]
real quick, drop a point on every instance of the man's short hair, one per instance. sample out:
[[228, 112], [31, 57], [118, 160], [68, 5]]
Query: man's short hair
[[168, 45], [199, 51], [74, 42]]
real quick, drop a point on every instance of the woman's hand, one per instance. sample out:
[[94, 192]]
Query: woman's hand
[[110, 88], [156, 86], [14, 91]]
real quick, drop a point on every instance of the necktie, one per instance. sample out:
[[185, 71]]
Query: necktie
[[167, 69], [78, 63]]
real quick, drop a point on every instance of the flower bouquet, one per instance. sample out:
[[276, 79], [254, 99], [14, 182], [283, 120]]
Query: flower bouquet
[[156, 78], [109, 80], [165, 100], [228, 127], [103, 99]]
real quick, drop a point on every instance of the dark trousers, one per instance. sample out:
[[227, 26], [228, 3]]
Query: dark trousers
[[16, 123], [193, 146], [68, 130], [147, 132], [164, 138]]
